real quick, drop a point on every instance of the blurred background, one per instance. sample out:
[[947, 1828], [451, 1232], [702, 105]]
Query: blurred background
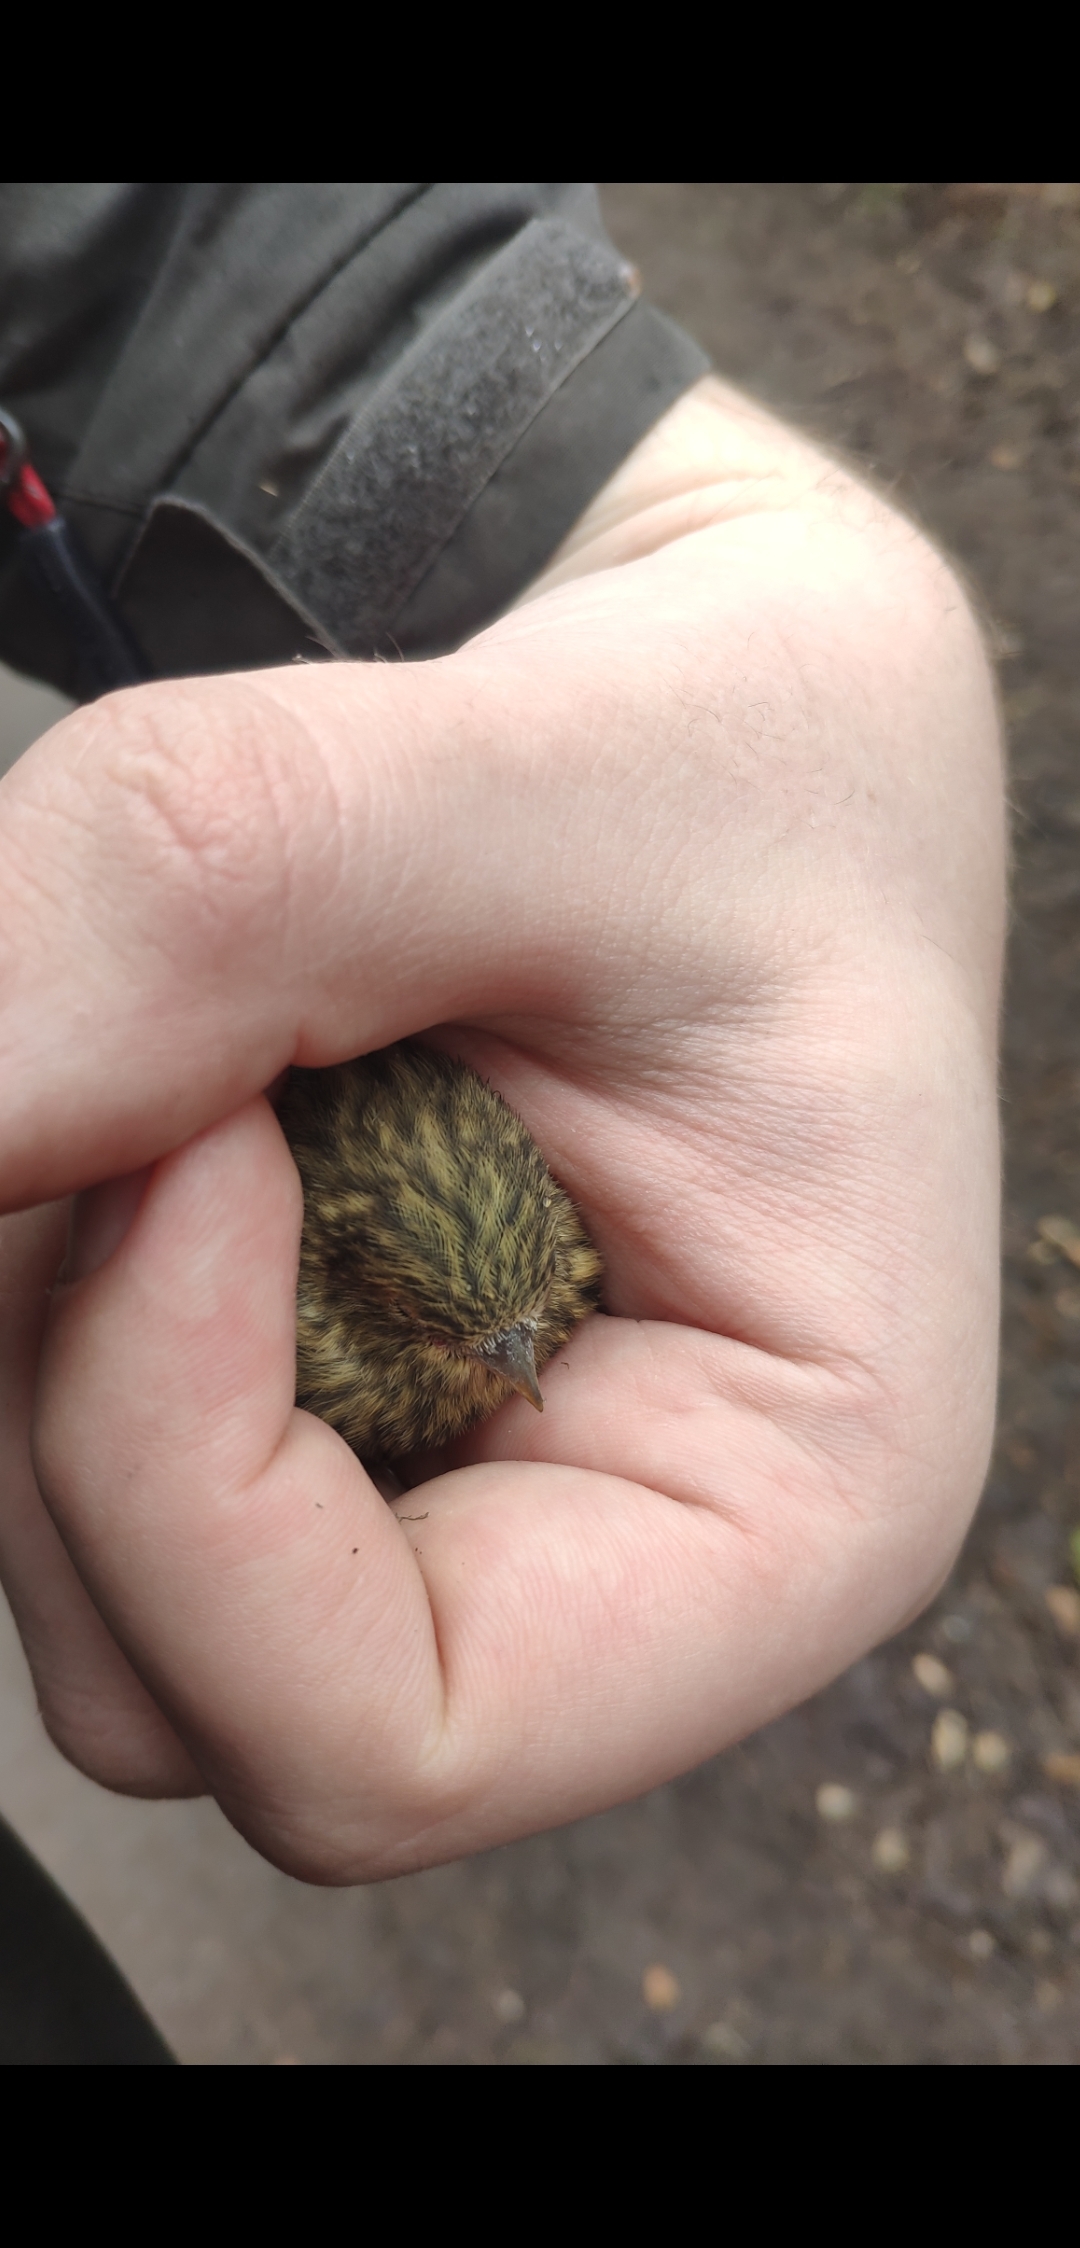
[[891, 1874]]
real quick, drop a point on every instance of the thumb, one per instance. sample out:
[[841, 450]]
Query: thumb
[[243, 1560]]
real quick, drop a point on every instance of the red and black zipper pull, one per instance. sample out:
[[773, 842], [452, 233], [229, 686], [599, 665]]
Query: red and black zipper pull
[[105, 653]]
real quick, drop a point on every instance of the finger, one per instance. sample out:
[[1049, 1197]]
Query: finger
[[94, 1707], [528, 1642], [207, 879], [256, 1579]]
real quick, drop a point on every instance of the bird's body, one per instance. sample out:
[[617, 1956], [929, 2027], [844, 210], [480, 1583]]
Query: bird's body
[[440, 1263]]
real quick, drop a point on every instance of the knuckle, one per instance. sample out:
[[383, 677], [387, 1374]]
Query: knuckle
[[172, 814], [197, 794]]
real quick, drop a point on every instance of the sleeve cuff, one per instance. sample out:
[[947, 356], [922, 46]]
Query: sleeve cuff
[[446, 493]]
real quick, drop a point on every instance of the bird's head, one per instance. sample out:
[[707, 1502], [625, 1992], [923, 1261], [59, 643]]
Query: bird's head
[[464, 1242], [441, 1263]]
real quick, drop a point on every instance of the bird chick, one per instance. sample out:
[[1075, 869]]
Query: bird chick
[[440, 1263]]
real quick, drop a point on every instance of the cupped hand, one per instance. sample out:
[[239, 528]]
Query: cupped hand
[[698, 857]]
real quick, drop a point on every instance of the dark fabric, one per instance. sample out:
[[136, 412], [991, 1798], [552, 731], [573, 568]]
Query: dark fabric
[[62, 2002], [285, 418], [421, 450]]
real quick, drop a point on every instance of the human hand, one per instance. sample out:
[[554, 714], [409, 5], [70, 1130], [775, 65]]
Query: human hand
[[698, 857]]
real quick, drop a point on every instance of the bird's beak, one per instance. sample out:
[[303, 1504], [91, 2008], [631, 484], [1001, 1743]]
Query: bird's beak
[[511, 1355]]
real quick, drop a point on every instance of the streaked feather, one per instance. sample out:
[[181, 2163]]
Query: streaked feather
[[431, 1225]]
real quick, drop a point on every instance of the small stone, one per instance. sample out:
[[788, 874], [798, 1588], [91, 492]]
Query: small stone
[[1063, 1602], [990, 1752], [1062, 1766], [1062, 1233], [724, 2042], [891, 1851], [981, 1944], [660, 1989], [1024, 1864], [1048, 1997], [982, 356], [835, 1803], [933, 1677], [1041, 295], [949, 1740], [509, 2006], [1007, 457]]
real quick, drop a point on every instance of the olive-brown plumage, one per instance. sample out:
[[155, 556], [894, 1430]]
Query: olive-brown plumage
[[440, 1265]]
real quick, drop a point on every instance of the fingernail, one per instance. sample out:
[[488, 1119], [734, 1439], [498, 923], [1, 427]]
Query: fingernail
[[99, 1220]]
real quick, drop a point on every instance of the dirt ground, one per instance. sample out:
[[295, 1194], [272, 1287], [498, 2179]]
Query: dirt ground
[[891, 1874]]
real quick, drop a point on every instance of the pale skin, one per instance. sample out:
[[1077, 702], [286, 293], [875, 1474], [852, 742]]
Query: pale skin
[[698, 854]]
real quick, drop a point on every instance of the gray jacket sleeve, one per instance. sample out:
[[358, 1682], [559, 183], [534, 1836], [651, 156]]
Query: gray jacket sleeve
[[292, 418]]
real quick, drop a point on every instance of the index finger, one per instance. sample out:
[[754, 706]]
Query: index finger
[[205, 880]]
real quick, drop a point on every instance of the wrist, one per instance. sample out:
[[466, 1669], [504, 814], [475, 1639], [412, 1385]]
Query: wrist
[[713, 457]]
